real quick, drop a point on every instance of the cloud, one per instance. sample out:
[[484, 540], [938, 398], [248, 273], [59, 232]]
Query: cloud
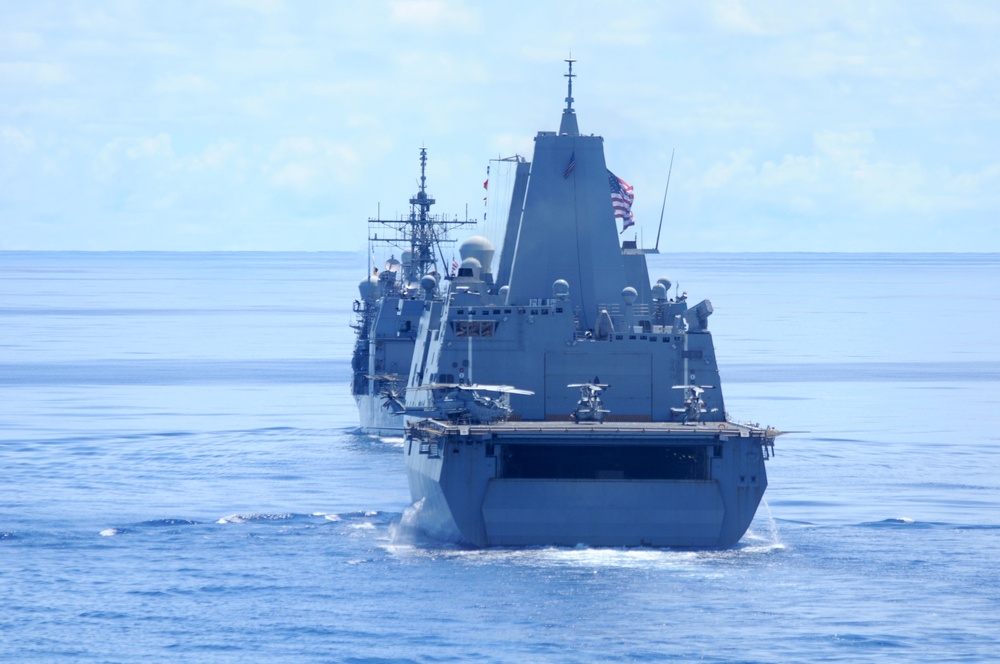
[[32, 73], [266, 7], [310, 165], [780, 111], [737, 166], [183, 84], [216, 157], [732, 16], [120, 150], [433, 15], [18, 42], [17, 139]]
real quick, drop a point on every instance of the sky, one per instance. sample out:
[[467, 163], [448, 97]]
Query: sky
[[283, 126]]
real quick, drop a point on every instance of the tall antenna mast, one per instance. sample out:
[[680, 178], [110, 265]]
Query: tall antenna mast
[[568, 125], [419, 233], [570, 76], [662, 209]]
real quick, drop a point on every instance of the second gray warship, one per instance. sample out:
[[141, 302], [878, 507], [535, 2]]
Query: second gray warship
[[390, 304], [566, 399]]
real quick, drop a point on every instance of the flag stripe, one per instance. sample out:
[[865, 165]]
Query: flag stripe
[[621, 200]]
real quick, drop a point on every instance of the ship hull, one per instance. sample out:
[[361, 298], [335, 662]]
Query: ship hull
[[375, 419], [542, 483]]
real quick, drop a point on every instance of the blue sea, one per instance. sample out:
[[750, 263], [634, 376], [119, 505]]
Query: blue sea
[[183, 479]]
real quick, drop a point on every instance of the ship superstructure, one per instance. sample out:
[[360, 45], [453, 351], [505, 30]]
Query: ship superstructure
[[614, 429]]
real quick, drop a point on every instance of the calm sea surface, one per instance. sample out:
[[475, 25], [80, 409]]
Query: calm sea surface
[[182, 479]]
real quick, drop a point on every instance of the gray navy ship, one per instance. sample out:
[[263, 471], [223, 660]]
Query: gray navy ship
[[391, 303], [565, 399]]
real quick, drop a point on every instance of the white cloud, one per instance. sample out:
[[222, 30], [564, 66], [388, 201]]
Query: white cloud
[[15, 42], [311, 165], [267, 7], [780, 111], [733, 16], [433, 15], [183, 84], [32, 73], [118, 151], [17, 139], [216, 157], [722, 174]]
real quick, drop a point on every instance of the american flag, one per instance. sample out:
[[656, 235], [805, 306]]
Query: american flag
[[621, 200]]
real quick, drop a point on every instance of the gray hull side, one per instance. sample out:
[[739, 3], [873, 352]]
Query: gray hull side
[[375, 419], [603, 512], [462, 500]]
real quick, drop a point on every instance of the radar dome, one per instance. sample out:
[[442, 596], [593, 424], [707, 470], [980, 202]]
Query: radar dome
[[368, 288], [479, 248], [666, 283], [560, 289], [629, 294], [471, 268], [429, 282], [659, 291]]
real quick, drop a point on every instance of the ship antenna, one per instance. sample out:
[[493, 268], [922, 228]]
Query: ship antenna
[[422, 237], [570, 76], [568, 125], [662, 209]]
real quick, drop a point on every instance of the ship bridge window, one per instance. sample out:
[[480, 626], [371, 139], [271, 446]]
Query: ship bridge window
[[474, 328]]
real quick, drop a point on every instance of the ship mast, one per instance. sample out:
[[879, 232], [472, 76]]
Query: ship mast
[[568, 124], [420, 233], [423, 236]]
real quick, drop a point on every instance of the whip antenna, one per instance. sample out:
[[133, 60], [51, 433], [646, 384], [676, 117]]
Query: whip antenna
[[669, 171]]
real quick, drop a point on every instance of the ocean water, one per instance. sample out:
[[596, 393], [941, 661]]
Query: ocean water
[[182, 478]]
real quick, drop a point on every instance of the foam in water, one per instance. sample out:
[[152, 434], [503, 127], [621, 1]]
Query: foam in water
[[246, 518], [767, 540], [404, 532]]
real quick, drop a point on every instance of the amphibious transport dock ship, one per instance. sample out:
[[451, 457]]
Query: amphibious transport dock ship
[[568, 400]]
